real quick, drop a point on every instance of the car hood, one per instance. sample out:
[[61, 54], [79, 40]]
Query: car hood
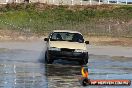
[[66, 44]]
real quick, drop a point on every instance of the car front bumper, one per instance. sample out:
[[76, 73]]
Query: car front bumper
[[67, 55]]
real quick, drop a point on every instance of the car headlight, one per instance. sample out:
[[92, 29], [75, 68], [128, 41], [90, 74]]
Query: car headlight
[[80, 50], [54, 48]]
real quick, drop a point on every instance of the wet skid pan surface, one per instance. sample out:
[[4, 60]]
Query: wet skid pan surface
[[100, 67], [20, 67], [24, 68], [19, 76]]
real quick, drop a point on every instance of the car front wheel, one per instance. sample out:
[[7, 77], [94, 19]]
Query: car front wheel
[[48, 59], [84, 60]]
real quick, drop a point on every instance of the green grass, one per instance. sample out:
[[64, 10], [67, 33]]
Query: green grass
[[93, 20]]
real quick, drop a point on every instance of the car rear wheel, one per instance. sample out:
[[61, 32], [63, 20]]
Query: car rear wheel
[[48, 59]]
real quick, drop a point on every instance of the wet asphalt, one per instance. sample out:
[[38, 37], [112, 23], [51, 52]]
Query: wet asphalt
[[22, 66]]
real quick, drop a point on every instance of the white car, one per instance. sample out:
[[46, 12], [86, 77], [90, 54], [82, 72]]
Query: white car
[[67, 45]]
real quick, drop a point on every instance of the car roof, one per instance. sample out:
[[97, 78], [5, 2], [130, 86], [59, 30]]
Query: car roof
[[66, 31]]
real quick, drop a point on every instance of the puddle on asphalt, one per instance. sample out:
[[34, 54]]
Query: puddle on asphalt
[[22, 68]]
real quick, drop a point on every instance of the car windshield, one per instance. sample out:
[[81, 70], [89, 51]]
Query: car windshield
[[66, 36]]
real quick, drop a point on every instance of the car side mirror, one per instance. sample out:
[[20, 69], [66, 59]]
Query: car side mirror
[[87, 42], [46, 39]]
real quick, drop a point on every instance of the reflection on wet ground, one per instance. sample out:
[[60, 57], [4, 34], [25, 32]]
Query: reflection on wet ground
[[63, 76], [22, 75], [20, 68], [25, 68]]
